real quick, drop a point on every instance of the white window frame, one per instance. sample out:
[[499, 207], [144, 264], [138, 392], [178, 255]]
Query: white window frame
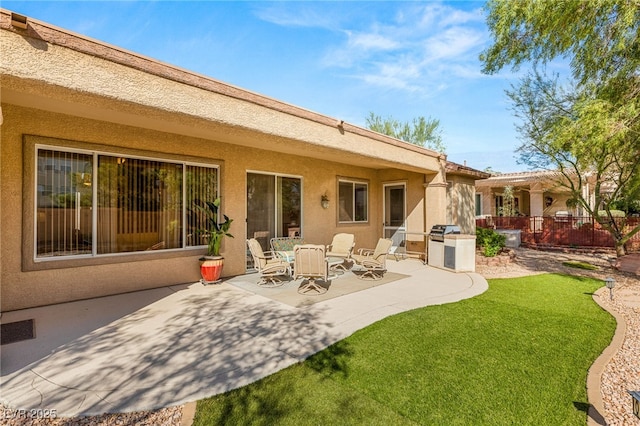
[[353, 182]]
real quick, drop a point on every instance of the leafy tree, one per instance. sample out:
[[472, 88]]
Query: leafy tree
[[588, 129], [421, 131], [492, 172], [508, 208], [601, 38]]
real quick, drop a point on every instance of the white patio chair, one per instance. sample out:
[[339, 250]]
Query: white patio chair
[[374, 261], [272, 269], [341, 247], [311, 265]]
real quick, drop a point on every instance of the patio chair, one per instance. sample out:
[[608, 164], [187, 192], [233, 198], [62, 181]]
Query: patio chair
[[272, 269], [310, 264], [374, 261], [341, 247], [283, 247], [285, 244], [263, 238]]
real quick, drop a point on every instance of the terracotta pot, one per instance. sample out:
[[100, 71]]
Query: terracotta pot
[[211, 269]]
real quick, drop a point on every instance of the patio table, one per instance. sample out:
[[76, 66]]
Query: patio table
[[402, 252], [288, 256]]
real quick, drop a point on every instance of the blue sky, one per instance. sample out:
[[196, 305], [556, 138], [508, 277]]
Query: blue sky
[[341, 59]]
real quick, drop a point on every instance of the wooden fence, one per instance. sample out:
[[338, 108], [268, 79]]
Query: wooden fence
[[564, 231]]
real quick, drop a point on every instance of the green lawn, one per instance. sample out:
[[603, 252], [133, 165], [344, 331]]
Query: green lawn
[[517, 354]]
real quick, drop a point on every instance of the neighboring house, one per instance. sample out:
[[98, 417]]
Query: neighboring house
[[105, 154], [544, 218], [536, 193]]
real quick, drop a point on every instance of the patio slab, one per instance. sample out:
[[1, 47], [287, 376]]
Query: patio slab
[[164, 347]]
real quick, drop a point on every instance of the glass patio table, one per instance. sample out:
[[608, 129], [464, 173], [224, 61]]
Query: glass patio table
[[285, 255]]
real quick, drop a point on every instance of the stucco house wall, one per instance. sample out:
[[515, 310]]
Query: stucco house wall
[[461, 200], [63, 90], [23, 278], [461, 192]]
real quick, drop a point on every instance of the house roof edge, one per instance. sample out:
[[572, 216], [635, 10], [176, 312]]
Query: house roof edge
[[52, 34]]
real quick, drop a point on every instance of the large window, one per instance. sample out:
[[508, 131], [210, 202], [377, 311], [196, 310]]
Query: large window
[[353, 201], [127, 205]]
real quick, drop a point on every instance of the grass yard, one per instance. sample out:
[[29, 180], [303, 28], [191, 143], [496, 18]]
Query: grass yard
[[517, 354]]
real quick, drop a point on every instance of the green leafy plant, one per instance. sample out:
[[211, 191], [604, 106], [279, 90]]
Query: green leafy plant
[[215, 231], [489, 241], [614, 213], [508, 209]]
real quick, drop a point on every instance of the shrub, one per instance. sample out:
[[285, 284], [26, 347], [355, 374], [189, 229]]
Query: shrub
[[489, 241], [614, 213]]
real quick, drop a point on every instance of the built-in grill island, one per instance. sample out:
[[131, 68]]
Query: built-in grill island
[[452, 250]]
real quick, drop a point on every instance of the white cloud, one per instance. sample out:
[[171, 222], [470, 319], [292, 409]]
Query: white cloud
[[453, 43], [441, 16], [460, 17], [408, 47], [306, 15], [388, 81], [370, 41], [467, 71]]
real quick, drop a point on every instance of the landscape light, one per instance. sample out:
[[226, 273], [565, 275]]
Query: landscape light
[[610, 283]]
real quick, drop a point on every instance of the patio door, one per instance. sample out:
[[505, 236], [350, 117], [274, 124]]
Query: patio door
[[274, 208], [394, 214]]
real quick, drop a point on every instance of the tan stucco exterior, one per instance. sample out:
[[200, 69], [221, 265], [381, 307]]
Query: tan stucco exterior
[[64, 90], [461, 191], [461, 202]]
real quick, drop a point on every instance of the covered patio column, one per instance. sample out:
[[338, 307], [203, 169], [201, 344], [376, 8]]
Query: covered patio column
[[536, 200], [435, 195]]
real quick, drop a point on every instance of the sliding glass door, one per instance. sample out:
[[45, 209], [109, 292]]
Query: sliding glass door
[[395, 214], [274, 207]]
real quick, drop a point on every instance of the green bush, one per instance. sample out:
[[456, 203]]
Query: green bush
[[489, 241], [614, 213]]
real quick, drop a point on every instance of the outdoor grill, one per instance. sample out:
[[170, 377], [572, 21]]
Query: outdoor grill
[[450, 250], [439, 231]]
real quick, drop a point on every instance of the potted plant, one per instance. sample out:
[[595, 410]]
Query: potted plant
[[211, 264]]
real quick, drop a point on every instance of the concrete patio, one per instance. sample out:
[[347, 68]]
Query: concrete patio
[[167, 346]]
